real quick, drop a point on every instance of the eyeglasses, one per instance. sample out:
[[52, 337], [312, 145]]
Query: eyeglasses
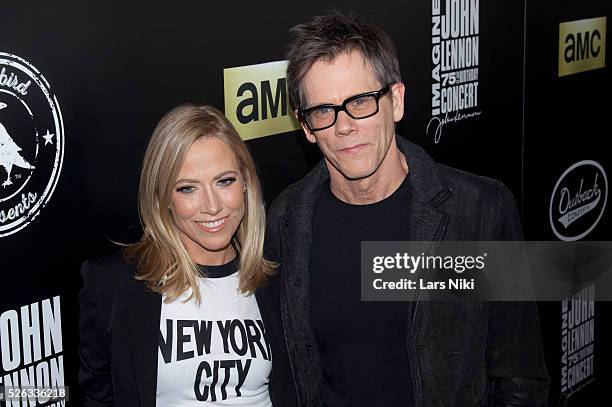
[[359, 106]]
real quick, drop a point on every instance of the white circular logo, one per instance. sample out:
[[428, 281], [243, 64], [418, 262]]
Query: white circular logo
[[31, 143], [578, 200]]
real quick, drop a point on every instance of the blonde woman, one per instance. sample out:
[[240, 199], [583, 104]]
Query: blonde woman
[[187, 316]]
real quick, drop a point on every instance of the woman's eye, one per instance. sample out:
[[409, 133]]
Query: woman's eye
[[186, 189], [224, 182]]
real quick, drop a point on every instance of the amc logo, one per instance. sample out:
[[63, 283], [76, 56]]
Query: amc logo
[[256, 100], [582, 45]]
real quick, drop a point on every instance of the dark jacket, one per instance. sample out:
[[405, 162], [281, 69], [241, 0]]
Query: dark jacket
[[119, 331], [461, 353]]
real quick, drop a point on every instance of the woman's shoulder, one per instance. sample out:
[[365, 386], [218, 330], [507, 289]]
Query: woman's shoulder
[[107, 272]]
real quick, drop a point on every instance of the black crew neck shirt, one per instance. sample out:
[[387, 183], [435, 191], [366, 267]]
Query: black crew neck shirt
[[363, 345], [221, 270]]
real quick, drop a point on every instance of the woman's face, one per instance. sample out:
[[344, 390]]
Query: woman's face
[[208, 201]]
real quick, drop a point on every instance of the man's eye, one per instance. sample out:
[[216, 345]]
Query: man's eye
[[224, 182], [323, 111], [186, 189], [361, 101]]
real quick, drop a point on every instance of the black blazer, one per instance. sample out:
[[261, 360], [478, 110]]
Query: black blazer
[[119, 330]]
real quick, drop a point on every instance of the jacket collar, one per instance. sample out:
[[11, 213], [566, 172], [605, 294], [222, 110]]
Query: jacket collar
[[428, 191], [427, 184]]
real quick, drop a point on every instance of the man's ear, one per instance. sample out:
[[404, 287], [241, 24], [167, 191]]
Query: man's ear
[[309, 135], [397, 95]]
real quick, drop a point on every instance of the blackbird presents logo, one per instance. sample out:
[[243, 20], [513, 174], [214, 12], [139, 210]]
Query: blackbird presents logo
[[31, 143]]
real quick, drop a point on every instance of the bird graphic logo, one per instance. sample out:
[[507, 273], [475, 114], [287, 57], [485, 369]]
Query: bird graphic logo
[[31, 143], [10, 154]]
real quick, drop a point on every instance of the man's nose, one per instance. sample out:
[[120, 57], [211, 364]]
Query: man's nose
[[345, 124]]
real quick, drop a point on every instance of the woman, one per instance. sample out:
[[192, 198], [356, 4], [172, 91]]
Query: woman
[[171, 321]]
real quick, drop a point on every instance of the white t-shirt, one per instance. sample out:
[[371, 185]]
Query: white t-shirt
[[216, 353]]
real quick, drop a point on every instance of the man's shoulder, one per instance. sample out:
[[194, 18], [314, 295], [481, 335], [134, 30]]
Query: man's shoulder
[[440, 177], [484, 205], [471, 186]]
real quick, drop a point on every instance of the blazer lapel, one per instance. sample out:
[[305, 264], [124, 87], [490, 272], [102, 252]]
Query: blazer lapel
[[427, 223], [144, 317], [427, 192]]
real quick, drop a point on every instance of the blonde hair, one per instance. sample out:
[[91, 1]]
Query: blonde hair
[[160, 256]]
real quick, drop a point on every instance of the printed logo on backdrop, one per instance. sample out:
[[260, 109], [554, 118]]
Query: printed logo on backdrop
[[31, 352], [31, 143], [454, 56], [577, 341], [256, 100], [577, 204], [582, 45], [578, 200]]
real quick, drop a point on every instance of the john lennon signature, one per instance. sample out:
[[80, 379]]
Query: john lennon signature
[[437, 123]]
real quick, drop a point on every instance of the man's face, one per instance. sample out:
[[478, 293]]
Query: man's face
[[353, 148]]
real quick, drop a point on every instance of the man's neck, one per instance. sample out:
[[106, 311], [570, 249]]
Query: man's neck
[[374, 188]]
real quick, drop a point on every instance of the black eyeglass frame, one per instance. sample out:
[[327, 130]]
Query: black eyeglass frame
[[342, 108]]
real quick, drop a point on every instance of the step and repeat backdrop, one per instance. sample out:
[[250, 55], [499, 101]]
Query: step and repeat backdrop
[[565, 177], [516, 90]]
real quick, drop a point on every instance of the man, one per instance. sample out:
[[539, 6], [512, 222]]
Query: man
[[345, 84]]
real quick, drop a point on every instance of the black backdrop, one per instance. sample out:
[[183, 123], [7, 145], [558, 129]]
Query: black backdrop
[[116, 67]]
